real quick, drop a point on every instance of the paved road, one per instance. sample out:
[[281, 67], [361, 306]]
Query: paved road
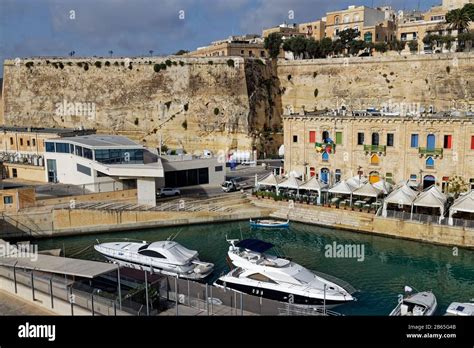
[[12, 305]]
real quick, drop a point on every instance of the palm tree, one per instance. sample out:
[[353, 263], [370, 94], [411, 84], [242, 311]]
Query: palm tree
[[111, 52], [72, 53], [151, 52], [458, 19]]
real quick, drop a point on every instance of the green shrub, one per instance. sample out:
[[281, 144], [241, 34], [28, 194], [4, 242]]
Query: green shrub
[[98, 64], [168, 63], [107, 63], [86, 66], [181, 63], [157, 67]]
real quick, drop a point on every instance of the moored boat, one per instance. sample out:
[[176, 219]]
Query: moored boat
[[270, 223], [417, 304]]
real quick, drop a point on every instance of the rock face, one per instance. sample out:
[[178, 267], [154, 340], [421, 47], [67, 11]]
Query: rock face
[[442, 80], [190, 103]]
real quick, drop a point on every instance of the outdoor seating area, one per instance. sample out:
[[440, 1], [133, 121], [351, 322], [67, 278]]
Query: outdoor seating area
[[404, 201]]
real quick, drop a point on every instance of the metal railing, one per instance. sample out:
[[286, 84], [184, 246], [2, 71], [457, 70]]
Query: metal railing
[[430, 151], [427, 219], [375, 148]]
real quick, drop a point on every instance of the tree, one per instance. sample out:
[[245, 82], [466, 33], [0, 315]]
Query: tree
[[181, 52], [356, 46], [459, 18], [313, 48], [431, 40], [347, 36], [151, 52], [72, 53], [337, 47], [381, 47], [457, 185], [397, 45], [465, 40], [111, 53], [296, 45], [447, 41], [326, 46], [413, 45], [273, 43]]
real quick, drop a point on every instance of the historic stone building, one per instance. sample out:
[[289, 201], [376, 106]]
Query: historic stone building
[[426, 149]]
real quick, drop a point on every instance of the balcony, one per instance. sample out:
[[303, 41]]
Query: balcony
[[325, 147], [424, 151], [375, 149]]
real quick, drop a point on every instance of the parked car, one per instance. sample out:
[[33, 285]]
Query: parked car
[[168, 192], [229, 186]]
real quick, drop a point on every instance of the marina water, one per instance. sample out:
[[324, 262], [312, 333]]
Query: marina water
[[379, 276]]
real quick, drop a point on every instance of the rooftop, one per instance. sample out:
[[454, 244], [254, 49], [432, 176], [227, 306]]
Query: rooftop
[[60, 131], [106, 141], [447, 115]]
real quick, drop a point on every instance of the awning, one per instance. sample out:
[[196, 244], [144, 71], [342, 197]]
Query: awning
[[291, 183], [383, 186], [465, 204], [342, 188], [58, 265], [270, 180], [314, 184], [431, 198], [357, 181], [368, 190], [254, 245]]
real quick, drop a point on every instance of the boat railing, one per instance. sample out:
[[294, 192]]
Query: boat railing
[[343, 284]]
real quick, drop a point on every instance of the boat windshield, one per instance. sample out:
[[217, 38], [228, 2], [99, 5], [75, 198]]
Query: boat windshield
[[145, 246]]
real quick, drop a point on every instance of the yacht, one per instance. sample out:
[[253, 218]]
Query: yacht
[[460, 309], [260, 274], [419, 304], [166, 257]]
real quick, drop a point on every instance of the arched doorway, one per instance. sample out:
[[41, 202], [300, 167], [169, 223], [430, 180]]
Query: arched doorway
[[374, 177], [428, 180], [431, 141], [324, 175], [325, 137]]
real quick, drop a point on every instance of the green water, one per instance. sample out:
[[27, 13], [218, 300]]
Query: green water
[[388, 266]]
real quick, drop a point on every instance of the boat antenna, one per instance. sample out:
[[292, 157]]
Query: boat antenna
[[177, 233]]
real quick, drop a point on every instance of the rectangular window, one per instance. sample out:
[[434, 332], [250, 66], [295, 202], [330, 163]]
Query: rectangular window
[[21, 141], [8, 200], [218, 169], [50, 147], [34, 142], [71, 148], [14, 172], [62, 148], [11, 141], [360, 138], [87, 153], [448, 141], [471, 181], [338, 138], [28, 143], [414, 140], [390, 139], [78, 150], [83, 169], [472, 142], [413, 177], [312, 136], [389, 178], [295, 138]]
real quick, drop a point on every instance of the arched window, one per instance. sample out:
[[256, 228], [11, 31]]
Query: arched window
[[325, 156], [325, 136], [346, 19], [375, 139], [338, 175], [374, 177], [336, 20], [356, 17], [430, 162], [324, 177], [375, 160]]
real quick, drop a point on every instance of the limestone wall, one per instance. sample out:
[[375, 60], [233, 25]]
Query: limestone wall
[[194, 103], [442, 80]]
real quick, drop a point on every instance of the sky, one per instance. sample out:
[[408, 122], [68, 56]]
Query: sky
[[134, 27]]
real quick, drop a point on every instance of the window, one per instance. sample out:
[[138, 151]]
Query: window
[[325, 137], [472, 142], [78, 150], [11, 141], [430, 163], [71, 148], [87, 153], [261, 278], [28, 143], [8, 200], [21, 141], [471, 181], [414, 140], [50, 147], [295, 138], [151, 253], [14, 173], [262, 53], [360, 138], [312, 171], [389, 178], [448, 141], [62, 148], [325, 157], [368, 37], [338, 175], [34, 142], [312, 136], [375, 139], [430, 141], [390, 139], [336, 20], [413, 177], [346, 19], [338, 138], [356, 17], [83, 169], [218, 169], [375, 160]]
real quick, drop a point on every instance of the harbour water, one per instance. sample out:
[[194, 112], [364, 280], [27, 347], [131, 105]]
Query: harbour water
[[387, 266]]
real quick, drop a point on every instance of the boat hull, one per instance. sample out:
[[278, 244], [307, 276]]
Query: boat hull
[[277, 295]]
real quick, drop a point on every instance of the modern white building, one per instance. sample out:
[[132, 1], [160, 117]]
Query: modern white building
[[110, 162]]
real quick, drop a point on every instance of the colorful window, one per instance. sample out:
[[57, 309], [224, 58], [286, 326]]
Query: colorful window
[[390, 139], [448, 139], [375, 160], [312, 136], [430, 162], [338, 138], [414, 140]]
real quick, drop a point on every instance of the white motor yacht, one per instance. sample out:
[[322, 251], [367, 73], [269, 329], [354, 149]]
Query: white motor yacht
[[264, 275], [418, 304], [167, 257], [460, 309]]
